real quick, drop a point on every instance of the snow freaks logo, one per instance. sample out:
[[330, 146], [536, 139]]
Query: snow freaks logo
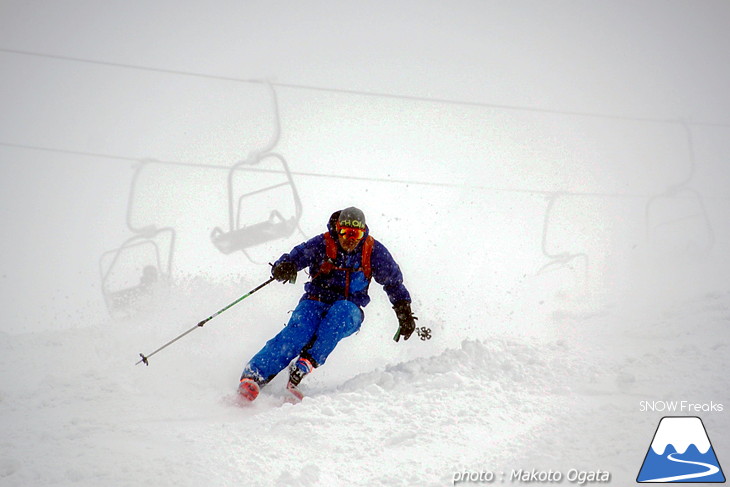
[[681, 452]]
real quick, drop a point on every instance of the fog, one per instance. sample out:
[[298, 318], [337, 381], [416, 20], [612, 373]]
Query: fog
[[552, 178], [485, 141]]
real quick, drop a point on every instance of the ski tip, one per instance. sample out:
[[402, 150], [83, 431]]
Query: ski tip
[[295, 395]]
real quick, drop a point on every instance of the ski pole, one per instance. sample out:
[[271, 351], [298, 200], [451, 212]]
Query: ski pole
[[145, 358]]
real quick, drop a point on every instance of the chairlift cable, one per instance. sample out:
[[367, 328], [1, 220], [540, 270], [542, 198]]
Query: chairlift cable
[[296, 86], [337, 176]]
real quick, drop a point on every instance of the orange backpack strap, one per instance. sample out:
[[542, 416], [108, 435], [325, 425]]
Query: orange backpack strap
[[331, 251], [367, 252]]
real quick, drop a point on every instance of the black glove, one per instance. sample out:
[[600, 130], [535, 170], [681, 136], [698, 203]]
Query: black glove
[[406, 320], [284, 271]]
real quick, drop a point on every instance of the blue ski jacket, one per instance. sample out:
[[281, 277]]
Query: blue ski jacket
[[347, 280]]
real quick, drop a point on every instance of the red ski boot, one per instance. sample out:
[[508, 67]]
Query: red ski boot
[[248, 389]]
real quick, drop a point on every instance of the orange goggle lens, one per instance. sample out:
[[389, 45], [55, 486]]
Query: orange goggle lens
[[349, 232]]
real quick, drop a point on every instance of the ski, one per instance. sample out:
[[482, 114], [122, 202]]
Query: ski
[[296, 395]]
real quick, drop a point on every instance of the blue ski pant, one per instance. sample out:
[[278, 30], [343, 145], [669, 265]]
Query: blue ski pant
[[313, 331]]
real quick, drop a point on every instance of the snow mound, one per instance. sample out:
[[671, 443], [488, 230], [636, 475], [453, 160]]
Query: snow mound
[[75, 410], [93, 418]]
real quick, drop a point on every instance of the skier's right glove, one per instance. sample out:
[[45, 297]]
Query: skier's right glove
[[406, 320], [284, 271]]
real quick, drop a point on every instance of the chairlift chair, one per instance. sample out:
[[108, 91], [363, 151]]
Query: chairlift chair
[[558, 260], [124, 291], [242, 236], [124, 296], [683, 206]]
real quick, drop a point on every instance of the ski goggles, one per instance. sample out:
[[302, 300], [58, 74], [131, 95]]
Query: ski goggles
[[350, 232]]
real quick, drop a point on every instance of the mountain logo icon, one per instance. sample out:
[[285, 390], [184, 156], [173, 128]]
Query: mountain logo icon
[[681, 452]]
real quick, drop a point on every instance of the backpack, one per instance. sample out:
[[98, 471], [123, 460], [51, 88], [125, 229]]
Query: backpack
[[331, 251]]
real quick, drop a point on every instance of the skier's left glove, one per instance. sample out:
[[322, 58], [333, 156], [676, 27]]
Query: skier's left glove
[[406, 320]]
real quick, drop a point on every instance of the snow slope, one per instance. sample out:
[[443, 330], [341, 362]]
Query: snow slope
[[76, 410]]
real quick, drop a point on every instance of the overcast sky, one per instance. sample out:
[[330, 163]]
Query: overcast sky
[[661, 59]]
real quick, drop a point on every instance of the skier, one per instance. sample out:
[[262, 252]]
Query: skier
[[341, 263]]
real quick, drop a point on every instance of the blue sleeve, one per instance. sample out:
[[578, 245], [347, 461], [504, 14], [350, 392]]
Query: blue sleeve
[[387, 273], [306, 254]]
